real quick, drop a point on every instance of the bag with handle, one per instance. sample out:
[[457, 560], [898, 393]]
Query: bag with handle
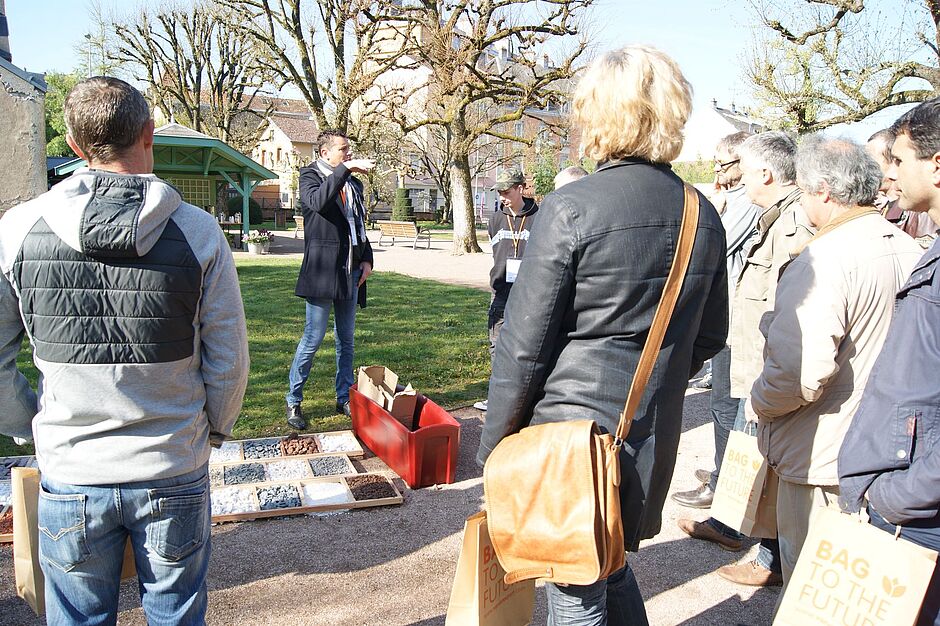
[[850, 572], [30, 582], [553, 490], [746, 494], [479, 596]]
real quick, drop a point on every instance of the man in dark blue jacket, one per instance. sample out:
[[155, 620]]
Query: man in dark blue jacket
[[337, 262], [891, 454]]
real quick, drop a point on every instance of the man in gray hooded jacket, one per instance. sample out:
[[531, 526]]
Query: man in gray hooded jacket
[[131, 303]]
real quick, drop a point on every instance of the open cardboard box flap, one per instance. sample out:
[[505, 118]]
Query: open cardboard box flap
[[380, 384]]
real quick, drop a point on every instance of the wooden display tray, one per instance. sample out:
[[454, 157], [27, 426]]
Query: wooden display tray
[[298, 484], [306, 458], [356, 453]]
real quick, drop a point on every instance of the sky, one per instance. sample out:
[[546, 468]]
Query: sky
[[708, 38]]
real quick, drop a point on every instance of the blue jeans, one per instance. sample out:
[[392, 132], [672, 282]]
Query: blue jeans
[[615, 600], [344, 326], [925, 533], [723, 407], [768, 555], [82, 534]]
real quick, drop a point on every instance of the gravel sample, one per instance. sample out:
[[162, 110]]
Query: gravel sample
[[316, 494], [8, 463], [229, 500], [278, 497], [6, 522], [216, 477], [6, 493], [262, 448], [230, 451], [331, 466], [287, 470], [245, 473], [370, 487], [294, 444], [338, 442]]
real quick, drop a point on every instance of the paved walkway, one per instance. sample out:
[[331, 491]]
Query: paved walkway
[[394, 566]]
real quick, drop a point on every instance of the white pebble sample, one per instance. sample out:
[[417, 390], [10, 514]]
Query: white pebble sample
[[288, 470], [230, 451], [338, 442], [317, 494], [6, 493], [229, 500]]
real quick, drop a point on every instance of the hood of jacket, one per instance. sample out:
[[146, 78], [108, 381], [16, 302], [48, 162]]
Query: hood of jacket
[[109, 215], [529, 206]]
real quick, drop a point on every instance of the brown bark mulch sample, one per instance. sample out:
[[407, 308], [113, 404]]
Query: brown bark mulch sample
[[6, 522], [294, 445], [370, 487]]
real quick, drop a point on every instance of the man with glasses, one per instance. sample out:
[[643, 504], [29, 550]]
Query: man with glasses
[[739, 217]]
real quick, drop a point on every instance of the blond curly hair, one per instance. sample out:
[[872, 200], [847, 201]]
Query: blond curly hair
[[632, 102]]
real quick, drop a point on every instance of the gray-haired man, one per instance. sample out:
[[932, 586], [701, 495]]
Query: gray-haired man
[[131, 303]]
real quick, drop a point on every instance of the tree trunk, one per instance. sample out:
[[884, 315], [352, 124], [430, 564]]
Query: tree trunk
[[461, 194]]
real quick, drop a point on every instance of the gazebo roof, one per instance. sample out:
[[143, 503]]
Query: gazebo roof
[[180, 150]]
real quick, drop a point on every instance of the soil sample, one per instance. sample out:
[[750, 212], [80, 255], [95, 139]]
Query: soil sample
[[262, 448], [229, 500], [278, 497], [230, 451], [6, 522], [331, 466], [337, 442], [216, 477], [245, 473], [370, 487], [294, 445], [288, 470]]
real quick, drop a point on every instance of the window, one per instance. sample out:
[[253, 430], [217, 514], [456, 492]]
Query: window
[[278, 157], [194, 190]]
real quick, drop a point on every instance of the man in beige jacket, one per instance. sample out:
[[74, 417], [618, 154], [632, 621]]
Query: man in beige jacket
[[834, 303], [768, 173]]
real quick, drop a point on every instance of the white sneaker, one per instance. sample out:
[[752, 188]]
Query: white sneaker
[[481, 405]]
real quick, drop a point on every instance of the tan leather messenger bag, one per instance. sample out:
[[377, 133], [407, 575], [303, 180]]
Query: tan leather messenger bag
[[553, 490]]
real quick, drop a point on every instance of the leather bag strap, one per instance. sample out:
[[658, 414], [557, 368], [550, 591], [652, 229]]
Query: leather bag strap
[[667, 304]]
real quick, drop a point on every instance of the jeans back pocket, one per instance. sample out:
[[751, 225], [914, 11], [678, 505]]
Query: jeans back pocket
[[179, 523], [62, 529]]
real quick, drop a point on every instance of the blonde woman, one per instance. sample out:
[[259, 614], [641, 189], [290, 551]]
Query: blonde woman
[[584, 299]]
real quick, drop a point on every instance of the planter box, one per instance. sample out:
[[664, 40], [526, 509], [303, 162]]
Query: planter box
[[426, 456]]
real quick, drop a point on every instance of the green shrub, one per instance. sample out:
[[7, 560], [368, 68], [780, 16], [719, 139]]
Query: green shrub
[[402, 210], [234, 207], [695, 171]]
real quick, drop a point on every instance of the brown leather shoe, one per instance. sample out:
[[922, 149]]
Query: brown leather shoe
[[707, 532], [750, 573]]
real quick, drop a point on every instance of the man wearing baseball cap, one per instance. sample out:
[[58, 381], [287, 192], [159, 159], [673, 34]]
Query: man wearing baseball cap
[[509, 231]]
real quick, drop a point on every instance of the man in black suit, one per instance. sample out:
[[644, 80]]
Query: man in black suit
[[337, 262]]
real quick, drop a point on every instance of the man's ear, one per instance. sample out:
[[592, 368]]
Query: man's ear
[[767, 176], [74, 146], [934, 172], [146, 135]]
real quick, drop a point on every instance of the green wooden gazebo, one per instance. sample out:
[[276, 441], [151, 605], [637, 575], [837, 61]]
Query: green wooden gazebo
[[195, 163]]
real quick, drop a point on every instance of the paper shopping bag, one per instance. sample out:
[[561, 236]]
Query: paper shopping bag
[[479, 596], [850, 572], [30, 581], [746, 494]]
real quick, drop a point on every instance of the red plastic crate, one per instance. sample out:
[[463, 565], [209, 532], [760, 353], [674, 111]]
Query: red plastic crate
[[426, 456]]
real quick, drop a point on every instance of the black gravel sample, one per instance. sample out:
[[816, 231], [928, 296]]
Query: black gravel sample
[[330, 466], [278, 497], [216, 477], [370, 487], [244, 473], [262, 448]]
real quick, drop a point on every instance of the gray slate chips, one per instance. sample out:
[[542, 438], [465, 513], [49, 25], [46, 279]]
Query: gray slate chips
[[278, 497], [244, 473]]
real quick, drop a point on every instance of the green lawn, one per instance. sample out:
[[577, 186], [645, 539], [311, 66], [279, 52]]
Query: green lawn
[[432, 335]]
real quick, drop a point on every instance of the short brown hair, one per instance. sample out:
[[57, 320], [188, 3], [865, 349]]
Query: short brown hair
[[105, 116], [326, 137]]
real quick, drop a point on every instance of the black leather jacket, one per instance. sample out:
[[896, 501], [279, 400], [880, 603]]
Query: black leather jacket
[[580, 311]]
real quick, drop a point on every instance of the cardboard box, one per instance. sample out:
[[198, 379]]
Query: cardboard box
[[380, 384], [426, 455]]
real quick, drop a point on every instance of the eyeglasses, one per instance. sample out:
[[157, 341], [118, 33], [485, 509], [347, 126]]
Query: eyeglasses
[[726, 164]]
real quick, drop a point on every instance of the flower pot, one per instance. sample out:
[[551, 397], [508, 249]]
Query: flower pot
[[258, 248]]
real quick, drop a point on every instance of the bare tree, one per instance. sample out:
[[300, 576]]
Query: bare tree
[[825, 62], [486, 66], [95, 52], [200, 69], [355, 48]]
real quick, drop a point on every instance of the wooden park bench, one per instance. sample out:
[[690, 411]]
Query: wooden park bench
[[406, 230]]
